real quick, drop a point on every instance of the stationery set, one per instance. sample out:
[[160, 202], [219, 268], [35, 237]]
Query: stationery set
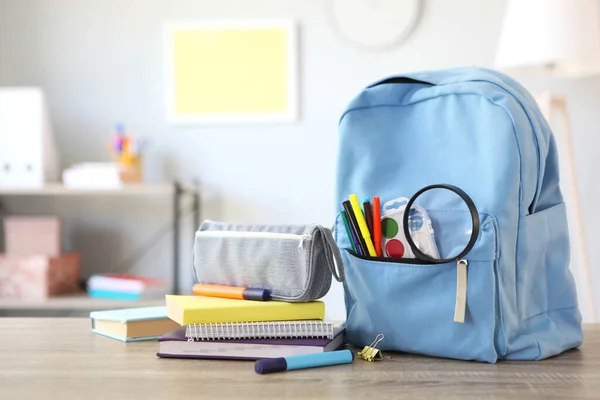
[[473, 266], [256, 297]]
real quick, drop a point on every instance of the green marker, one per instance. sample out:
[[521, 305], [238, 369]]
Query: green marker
[[348, 232]]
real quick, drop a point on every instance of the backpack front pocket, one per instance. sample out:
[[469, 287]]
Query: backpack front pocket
[[413, 304]]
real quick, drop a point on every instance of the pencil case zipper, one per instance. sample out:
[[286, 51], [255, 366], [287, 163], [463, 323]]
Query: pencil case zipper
[[258, 235]]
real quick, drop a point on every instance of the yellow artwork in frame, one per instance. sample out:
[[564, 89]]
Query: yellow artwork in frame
[[231, 71]]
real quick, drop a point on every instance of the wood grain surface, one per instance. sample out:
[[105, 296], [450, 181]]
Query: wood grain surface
[[47, 358]]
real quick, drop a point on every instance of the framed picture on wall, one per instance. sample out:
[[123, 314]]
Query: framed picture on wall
[[231, 71]]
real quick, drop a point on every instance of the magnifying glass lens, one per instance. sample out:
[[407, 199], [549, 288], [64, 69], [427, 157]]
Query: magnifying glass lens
[[440, 224]]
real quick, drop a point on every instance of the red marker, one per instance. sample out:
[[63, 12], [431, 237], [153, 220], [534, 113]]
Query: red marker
[[377, 226]]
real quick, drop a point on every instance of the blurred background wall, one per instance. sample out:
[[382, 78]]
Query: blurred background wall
[[102, 61]]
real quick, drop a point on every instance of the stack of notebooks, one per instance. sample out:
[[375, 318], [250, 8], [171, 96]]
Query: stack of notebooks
[[212, 327]]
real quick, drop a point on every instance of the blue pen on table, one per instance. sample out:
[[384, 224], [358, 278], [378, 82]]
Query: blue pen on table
[[268, 365]]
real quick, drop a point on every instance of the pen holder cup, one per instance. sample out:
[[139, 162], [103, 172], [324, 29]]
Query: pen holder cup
[[131, 169]]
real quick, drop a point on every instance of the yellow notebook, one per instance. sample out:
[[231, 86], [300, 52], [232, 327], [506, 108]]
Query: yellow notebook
[[187, 310]]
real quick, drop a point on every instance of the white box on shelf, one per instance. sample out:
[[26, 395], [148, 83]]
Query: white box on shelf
[[92, 176], [28, 156]]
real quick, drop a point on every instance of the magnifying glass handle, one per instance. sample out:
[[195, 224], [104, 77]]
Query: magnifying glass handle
[[425, 241]]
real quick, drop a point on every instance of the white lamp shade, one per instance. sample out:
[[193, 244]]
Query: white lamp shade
[[561, 37]]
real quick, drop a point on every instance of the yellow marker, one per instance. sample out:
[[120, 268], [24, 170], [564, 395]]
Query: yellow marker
[[362, 225]]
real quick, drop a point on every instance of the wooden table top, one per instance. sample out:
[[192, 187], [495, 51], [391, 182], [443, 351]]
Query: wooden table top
[[48, 358]]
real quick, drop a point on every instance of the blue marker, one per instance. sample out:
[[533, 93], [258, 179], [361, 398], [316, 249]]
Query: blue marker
[[269, 365]]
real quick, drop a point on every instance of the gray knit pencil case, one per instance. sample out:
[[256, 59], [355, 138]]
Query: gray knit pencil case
[[294, 262]]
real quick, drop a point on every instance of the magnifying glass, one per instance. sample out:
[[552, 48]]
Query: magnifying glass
[[442, 224]]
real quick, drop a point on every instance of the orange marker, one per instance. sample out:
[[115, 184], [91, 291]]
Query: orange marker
[[231, 292], [377, 226]]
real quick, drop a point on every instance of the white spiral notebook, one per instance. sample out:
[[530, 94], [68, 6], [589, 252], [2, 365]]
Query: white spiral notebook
[[260, 330]]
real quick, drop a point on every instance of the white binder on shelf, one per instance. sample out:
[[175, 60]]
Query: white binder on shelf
[[28, 156]]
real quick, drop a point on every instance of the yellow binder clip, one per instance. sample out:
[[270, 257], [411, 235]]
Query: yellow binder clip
[[371, 352]]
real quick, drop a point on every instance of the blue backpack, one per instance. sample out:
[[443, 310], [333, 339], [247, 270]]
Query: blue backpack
[[481, 131]]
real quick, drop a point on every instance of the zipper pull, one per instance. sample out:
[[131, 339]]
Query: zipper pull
[[460, 307], [301, 244]]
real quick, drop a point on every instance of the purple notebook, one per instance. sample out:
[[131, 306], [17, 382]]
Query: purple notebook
[[175, 345]]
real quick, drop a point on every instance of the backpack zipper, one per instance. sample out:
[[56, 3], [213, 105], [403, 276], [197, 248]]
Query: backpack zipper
[[460, 305], [531, 115], [530, 112]]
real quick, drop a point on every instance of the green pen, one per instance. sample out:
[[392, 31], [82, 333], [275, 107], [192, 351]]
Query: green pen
[[348, 232]]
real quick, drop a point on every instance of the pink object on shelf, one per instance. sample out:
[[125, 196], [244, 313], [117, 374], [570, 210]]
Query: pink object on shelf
[[32, 235], [38, 277]]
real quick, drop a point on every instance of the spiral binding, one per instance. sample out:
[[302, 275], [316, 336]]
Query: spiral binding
[[260, 330]]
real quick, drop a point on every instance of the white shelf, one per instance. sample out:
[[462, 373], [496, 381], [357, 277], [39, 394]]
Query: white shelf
[[79, 301], [57, 189]]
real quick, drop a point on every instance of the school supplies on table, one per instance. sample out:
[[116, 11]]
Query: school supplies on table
[[362, 225], [371, 352], [176, 345], [377, 225], [281, 364], [231, 292], [132, 324], [187, 310], [261, 330], [296, 263]]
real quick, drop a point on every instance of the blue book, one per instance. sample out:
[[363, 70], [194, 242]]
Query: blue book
[[107, 294], [133, 324]]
